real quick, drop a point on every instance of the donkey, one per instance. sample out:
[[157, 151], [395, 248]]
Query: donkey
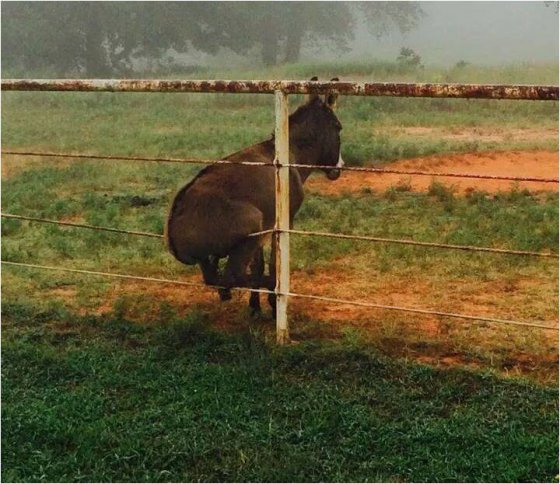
[[212, 216]]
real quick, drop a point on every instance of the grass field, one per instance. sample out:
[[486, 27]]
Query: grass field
[[99, 399], [106, 380]]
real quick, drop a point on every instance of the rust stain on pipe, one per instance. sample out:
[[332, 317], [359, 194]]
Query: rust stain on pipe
[[473, 91]]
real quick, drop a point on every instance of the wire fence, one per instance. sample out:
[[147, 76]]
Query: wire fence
[[290, 294], [281, 164]]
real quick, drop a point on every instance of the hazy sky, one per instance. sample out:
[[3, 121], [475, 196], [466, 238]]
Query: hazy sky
[[479, 32]]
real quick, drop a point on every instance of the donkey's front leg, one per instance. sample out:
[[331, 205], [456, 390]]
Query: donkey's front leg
[[271, 280]]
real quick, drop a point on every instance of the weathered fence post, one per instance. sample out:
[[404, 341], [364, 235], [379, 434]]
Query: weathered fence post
[[282, 224]]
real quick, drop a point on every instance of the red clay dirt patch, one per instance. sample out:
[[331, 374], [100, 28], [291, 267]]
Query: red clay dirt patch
[[538, 164], [424, 338]]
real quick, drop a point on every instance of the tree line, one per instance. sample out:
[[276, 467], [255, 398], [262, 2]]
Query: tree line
[[101, 39]]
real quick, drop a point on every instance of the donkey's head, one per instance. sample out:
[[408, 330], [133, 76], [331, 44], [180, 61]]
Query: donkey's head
[[315, 133]]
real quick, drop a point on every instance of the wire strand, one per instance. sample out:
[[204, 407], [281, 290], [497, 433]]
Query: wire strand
[[129, 276], [427, 173], [302, 232], [49, 154], [105, 229], [292, 165], [421, 311], [290, 294], [423, 244], [82, 226]]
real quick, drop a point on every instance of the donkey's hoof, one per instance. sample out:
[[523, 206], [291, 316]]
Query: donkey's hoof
[[272, 302], [225, 294], [255, 309]]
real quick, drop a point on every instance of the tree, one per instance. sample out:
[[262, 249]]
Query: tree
[[63, 36], [98, 39], [283, 27], [101, 39]]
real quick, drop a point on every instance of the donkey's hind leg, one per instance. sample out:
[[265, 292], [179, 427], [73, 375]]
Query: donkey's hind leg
[[271, 280], [235, 273], [257, 272], [244, 219], [209, 267]]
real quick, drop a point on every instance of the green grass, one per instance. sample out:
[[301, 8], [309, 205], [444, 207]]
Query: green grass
[[103, 399], [510, 220]]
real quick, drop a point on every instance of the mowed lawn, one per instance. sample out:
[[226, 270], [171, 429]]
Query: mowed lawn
[[104, 384]]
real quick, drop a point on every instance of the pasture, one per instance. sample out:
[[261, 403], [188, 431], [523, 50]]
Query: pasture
[[125, 380]]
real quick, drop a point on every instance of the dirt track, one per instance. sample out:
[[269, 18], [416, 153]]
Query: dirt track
[[541, 164]]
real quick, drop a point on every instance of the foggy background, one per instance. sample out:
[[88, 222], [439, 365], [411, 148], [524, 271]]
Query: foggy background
[[476, 32], [121, 39]]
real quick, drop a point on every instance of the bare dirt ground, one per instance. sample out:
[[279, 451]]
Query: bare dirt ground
[[425, 338], [541, 164]]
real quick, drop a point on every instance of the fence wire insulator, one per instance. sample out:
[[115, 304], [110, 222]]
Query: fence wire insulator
[[290, 294]]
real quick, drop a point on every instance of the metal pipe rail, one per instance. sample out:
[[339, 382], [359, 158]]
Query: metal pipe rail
[[471, 91], [469, 317], [359, 169]]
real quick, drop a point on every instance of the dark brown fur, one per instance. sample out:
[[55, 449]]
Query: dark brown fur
[[211, 217]]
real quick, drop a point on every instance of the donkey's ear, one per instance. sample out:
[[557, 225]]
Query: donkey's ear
[[332, 96], [313, 95]]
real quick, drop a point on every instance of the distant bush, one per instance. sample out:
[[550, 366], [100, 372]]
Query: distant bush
[[409, 59]]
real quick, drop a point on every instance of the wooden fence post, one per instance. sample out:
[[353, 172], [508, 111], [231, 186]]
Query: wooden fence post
[[282, 224]]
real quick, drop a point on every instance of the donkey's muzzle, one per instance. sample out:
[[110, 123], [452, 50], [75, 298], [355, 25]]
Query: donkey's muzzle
[[333, 174]]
